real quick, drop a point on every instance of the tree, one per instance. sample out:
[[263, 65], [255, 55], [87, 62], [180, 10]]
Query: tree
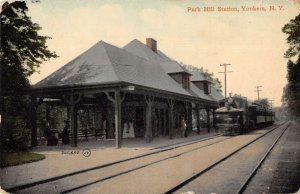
[[293, 31], [282, 112], [293, 87], [209, 76], [264, 102], [292, 90], [22, 48], [284, 98], [22, 52]]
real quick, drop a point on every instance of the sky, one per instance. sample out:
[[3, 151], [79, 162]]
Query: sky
[[251, 41]]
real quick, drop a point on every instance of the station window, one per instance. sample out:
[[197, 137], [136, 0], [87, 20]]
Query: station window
[[186, 81], [207, 87]]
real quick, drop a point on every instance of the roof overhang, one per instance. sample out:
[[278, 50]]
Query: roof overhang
[[55, 91]]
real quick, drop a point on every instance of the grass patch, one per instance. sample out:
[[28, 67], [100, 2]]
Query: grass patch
[[13, 159]]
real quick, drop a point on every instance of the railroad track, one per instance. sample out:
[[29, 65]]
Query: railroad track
[[81, 172], [247, 181], [162, 149], [143, 166]]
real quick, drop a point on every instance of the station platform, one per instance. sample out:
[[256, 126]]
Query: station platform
[[63, 159], [130, 143]]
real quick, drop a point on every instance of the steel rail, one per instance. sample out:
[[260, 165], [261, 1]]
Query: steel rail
[[146, 165], [246, 183], [182, 184], [141, 166], [43, 181]]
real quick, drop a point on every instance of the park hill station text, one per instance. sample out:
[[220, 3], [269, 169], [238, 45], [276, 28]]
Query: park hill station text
[[235, 9]]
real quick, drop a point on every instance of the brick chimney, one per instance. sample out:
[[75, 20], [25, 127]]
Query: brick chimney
[[151, 43]]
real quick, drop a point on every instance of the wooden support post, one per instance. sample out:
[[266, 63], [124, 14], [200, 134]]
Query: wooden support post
[[68, 113], [33, 120], [48, 119], [208, 119], [198, 119], [149, 101], [118, 124], [189, 128], [87, 125], [171, 125], [48, 115], [73, 127], [186, 118], [160, 122], [188, 110], [71, 101], [117, 101], [103, 104], [214, 118], [164, 124]]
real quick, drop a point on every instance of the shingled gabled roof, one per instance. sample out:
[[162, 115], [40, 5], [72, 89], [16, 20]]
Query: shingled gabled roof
[[216, 94], [134, 64], [200, 93], [171, 66], [91, 67], [105, 63], [140, 49], [197, 76]]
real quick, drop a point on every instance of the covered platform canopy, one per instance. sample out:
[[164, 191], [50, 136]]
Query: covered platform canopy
[[133, 83]]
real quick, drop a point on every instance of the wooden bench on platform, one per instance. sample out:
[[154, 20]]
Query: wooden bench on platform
[[92, 132]]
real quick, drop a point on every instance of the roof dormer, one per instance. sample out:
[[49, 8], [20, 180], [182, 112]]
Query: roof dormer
[[150, 52], [186, 81], [182, 78], [202, 83]]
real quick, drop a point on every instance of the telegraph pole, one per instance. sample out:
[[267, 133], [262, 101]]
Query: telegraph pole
[[225, 76], [271, 103], [258, 90]]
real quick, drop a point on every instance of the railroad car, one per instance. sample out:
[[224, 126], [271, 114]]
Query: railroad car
[[237, 116]]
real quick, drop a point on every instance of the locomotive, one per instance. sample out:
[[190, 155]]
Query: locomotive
[[237, 116]]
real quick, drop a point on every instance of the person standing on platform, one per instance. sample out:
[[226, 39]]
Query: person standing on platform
[[183, 126], [126, 131], [65, 133], [131, 129]]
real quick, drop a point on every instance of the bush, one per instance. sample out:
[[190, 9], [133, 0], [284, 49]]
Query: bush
[[16, 134], [15, 144]]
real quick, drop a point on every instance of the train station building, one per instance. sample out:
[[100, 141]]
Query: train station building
[[136, 87]]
